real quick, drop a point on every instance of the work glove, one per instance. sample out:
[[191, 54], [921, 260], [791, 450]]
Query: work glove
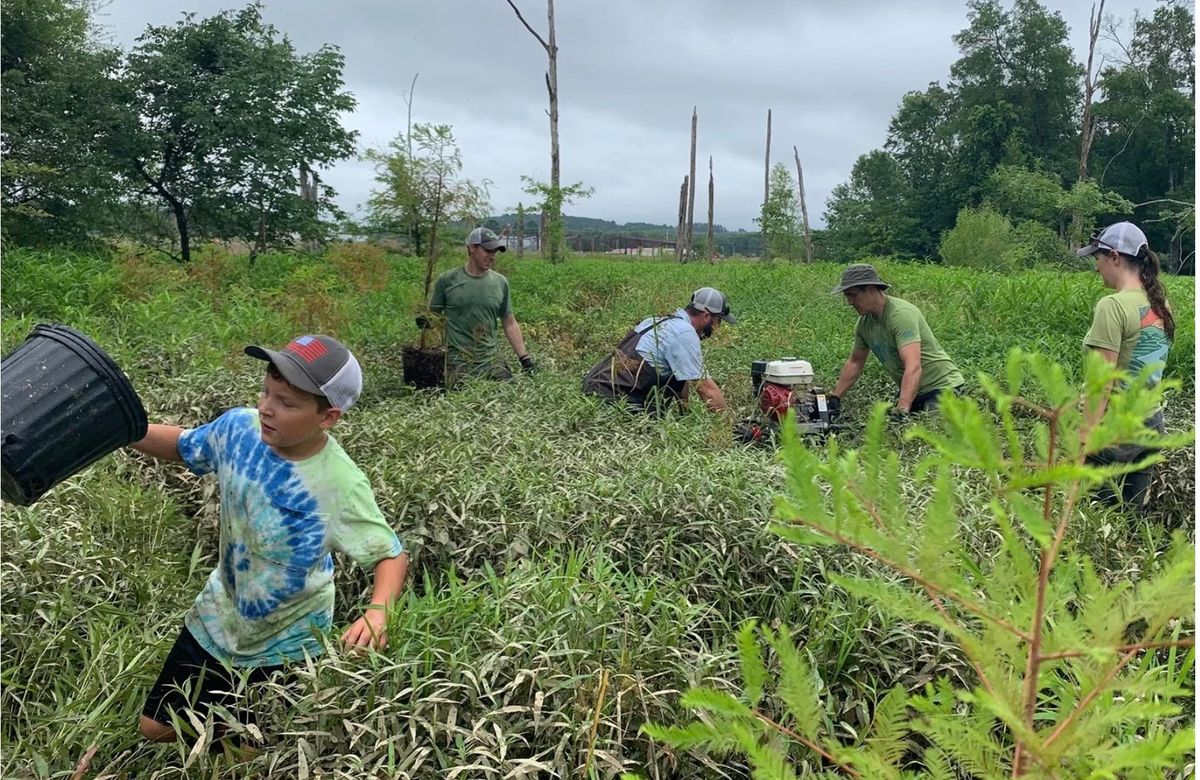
[[423, 322], [527, 364], [834, 405]]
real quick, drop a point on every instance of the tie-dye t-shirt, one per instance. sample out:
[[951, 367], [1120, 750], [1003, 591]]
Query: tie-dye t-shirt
[[272, 591], [1124, 323]]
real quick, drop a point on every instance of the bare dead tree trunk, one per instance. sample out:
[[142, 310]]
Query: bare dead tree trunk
[[767, 164], [711, 251], [408, 101], [766, 245], [1088, 132], [691, 190], [680, 255], [520, 230], [803, 209], [555, 199]]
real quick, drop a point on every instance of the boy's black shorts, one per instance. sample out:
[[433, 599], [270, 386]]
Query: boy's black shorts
[[192, 678]]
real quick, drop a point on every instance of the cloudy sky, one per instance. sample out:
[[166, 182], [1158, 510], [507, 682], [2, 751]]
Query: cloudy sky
[[629, 73]]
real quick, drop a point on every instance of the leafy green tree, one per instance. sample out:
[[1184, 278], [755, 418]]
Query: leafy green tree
[[550, 200], [224, 114], [1072, 676], [1145, 146], [1009, 100], [779, 218], [921, 142], [871, 214], [1019, 63], [1020, 193], [420, 185], [56, 108]]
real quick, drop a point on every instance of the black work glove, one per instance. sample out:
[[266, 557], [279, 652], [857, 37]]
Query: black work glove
[[527, 364], [834, 405], [423, 322]]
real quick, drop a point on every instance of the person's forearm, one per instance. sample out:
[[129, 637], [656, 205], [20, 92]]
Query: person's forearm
[[160, 441], [850, 374], [714, 399], [909, 384], [512, 331], [389, 580]]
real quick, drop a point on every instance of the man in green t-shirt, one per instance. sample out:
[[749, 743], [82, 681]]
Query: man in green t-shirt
[[897, 333], [473, 298]]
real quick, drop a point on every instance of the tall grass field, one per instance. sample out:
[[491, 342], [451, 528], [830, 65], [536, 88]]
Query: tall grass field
[[574, 568]]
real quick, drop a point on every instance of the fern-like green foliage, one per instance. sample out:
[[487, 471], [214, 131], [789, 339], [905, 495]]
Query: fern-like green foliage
[[1074, 676]]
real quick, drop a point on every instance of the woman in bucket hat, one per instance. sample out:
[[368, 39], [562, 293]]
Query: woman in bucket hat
[[897, 334], [1132, 327]]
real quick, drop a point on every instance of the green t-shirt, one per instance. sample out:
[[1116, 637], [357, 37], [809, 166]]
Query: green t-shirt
[[472, 305], [280, 520], [902, 323], [1125, 323]]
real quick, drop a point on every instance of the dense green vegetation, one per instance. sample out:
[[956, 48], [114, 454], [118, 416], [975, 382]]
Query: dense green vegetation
[[575, 568], [1016, 103]]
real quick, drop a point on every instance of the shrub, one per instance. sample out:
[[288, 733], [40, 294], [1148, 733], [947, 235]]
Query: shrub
[[1074, 675], [980, 238], [1035, 244], [362, 265]]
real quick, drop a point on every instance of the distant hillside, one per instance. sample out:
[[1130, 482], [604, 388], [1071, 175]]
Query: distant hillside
[[590, 225]]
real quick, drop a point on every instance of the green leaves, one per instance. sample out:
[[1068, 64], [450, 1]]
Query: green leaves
[[1033, 606]]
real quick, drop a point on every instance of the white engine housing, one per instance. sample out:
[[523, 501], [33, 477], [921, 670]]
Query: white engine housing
[[789, 372]]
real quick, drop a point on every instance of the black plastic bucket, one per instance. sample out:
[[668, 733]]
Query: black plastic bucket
[[64, 404]]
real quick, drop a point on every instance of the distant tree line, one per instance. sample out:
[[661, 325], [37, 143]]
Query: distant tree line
[[218, 128]]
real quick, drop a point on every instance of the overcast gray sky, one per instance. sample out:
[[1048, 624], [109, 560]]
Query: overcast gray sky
[[629, 72]]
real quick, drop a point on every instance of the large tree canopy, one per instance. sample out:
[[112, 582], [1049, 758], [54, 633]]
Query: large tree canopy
[[1145, 145], [224, 116], [1014, 102], [57, 103]]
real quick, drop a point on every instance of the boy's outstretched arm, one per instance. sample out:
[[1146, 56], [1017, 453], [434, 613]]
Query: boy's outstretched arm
[[370, 630], [161, 441]]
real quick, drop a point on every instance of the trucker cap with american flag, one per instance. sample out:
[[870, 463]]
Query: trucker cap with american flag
[[320, 365]]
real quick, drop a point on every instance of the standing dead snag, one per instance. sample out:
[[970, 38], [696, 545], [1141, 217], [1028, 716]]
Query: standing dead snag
[[766, 249], [803, 209], [687, 250], [710, 210], [767, 164], [555, 200], [1088, 125], [680, 250]]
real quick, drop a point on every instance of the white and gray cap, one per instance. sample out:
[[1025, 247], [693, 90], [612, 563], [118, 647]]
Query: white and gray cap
[[320, 365], [485, 238], [1124, 237], [713, 301]]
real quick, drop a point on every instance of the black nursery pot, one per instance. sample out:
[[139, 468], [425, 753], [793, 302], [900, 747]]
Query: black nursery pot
[[64, 404], [424, 368]]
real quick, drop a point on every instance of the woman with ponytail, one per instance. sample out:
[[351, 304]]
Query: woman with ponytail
[[1133, 327]]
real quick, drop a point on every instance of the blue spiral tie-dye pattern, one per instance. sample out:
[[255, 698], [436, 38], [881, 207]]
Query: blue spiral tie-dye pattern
[[272, 591]]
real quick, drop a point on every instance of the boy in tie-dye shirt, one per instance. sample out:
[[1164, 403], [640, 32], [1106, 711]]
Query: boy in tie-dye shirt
[[290, 496]]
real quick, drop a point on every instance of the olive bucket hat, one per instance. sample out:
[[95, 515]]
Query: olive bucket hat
[[859, 275]]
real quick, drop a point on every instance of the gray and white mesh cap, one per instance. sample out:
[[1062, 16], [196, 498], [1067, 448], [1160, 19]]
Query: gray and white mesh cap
[[712, 300], [320, 365], [1124, 237], [486, 238]]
